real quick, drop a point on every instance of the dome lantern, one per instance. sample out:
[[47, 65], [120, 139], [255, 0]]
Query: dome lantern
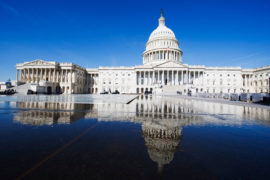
[[161, 20]]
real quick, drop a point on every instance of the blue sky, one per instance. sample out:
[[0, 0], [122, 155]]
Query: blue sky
[[114, 33]]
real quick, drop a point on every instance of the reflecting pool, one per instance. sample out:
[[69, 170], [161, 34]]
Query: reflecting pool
[[150, 138]]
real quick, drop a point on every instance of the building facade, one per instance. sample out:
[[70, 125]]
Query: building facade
[[162, 68]]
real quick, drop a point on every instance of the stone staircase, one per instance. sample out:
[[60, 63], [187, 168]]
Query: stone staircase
[[23, 89], [169, 90]]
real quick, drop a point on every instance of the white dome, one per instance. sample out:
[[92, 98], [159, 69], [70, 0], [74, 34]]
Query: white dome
[[162, 32], [162, 45]]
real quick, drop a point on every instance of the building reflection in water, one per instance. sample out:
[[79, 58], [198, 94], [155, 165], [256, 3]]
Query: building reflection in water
[[162, 118], [161, 142], [43, 113]]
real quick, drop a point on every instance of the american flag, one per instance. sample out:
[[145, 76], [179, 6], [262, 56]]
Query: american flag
[[167, 48]]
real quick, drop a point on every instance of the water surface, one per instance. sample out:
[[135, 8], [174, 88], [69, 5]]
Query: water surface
[[150, 138]]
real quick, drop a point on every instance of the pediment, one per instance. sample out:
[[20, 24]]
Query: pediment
[[39, 62], [170, 64]]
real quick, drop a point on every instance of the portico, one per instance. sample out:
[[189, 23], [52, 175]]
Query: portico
[[58, 77]]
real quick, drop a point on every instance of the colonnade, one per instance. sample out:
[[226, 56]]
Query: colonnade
[[92, 83], [255, 83], [163, 55], [169, 77], [247, 80], [45, 74]]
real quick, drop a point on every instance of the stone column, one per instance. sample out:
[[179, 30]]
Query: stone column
[[65, 75], [202, 78], [147, 78], [26, 75], [50, 74], [60, 75], [186, 76], [182, 80], [171, 82], [246, 78], [151, 77], [246, 82], [170, 78], [142, 80], [41, 74], [45, 74], [154, 77], [193, 78], [57, 75], [138, 78], [163, 77], [189, 77], [71, 76], [21, 74], [194, 74], [54, 75], [177, 77], [17, 74], [173, 78], [158, 77], [167, 75], [36, 74], [199, 78], [32, 74]]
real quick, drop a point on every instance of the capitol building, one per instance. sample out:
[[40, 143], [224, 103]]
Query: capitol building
[[162, 70]]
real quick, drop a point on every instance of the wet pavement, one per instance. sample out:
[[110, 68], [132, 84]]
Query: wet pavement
[[150, 138]]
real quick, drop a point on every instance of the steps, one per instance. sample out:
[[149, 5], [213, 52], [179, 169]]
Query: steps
[[23, 89], [168, 90]]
